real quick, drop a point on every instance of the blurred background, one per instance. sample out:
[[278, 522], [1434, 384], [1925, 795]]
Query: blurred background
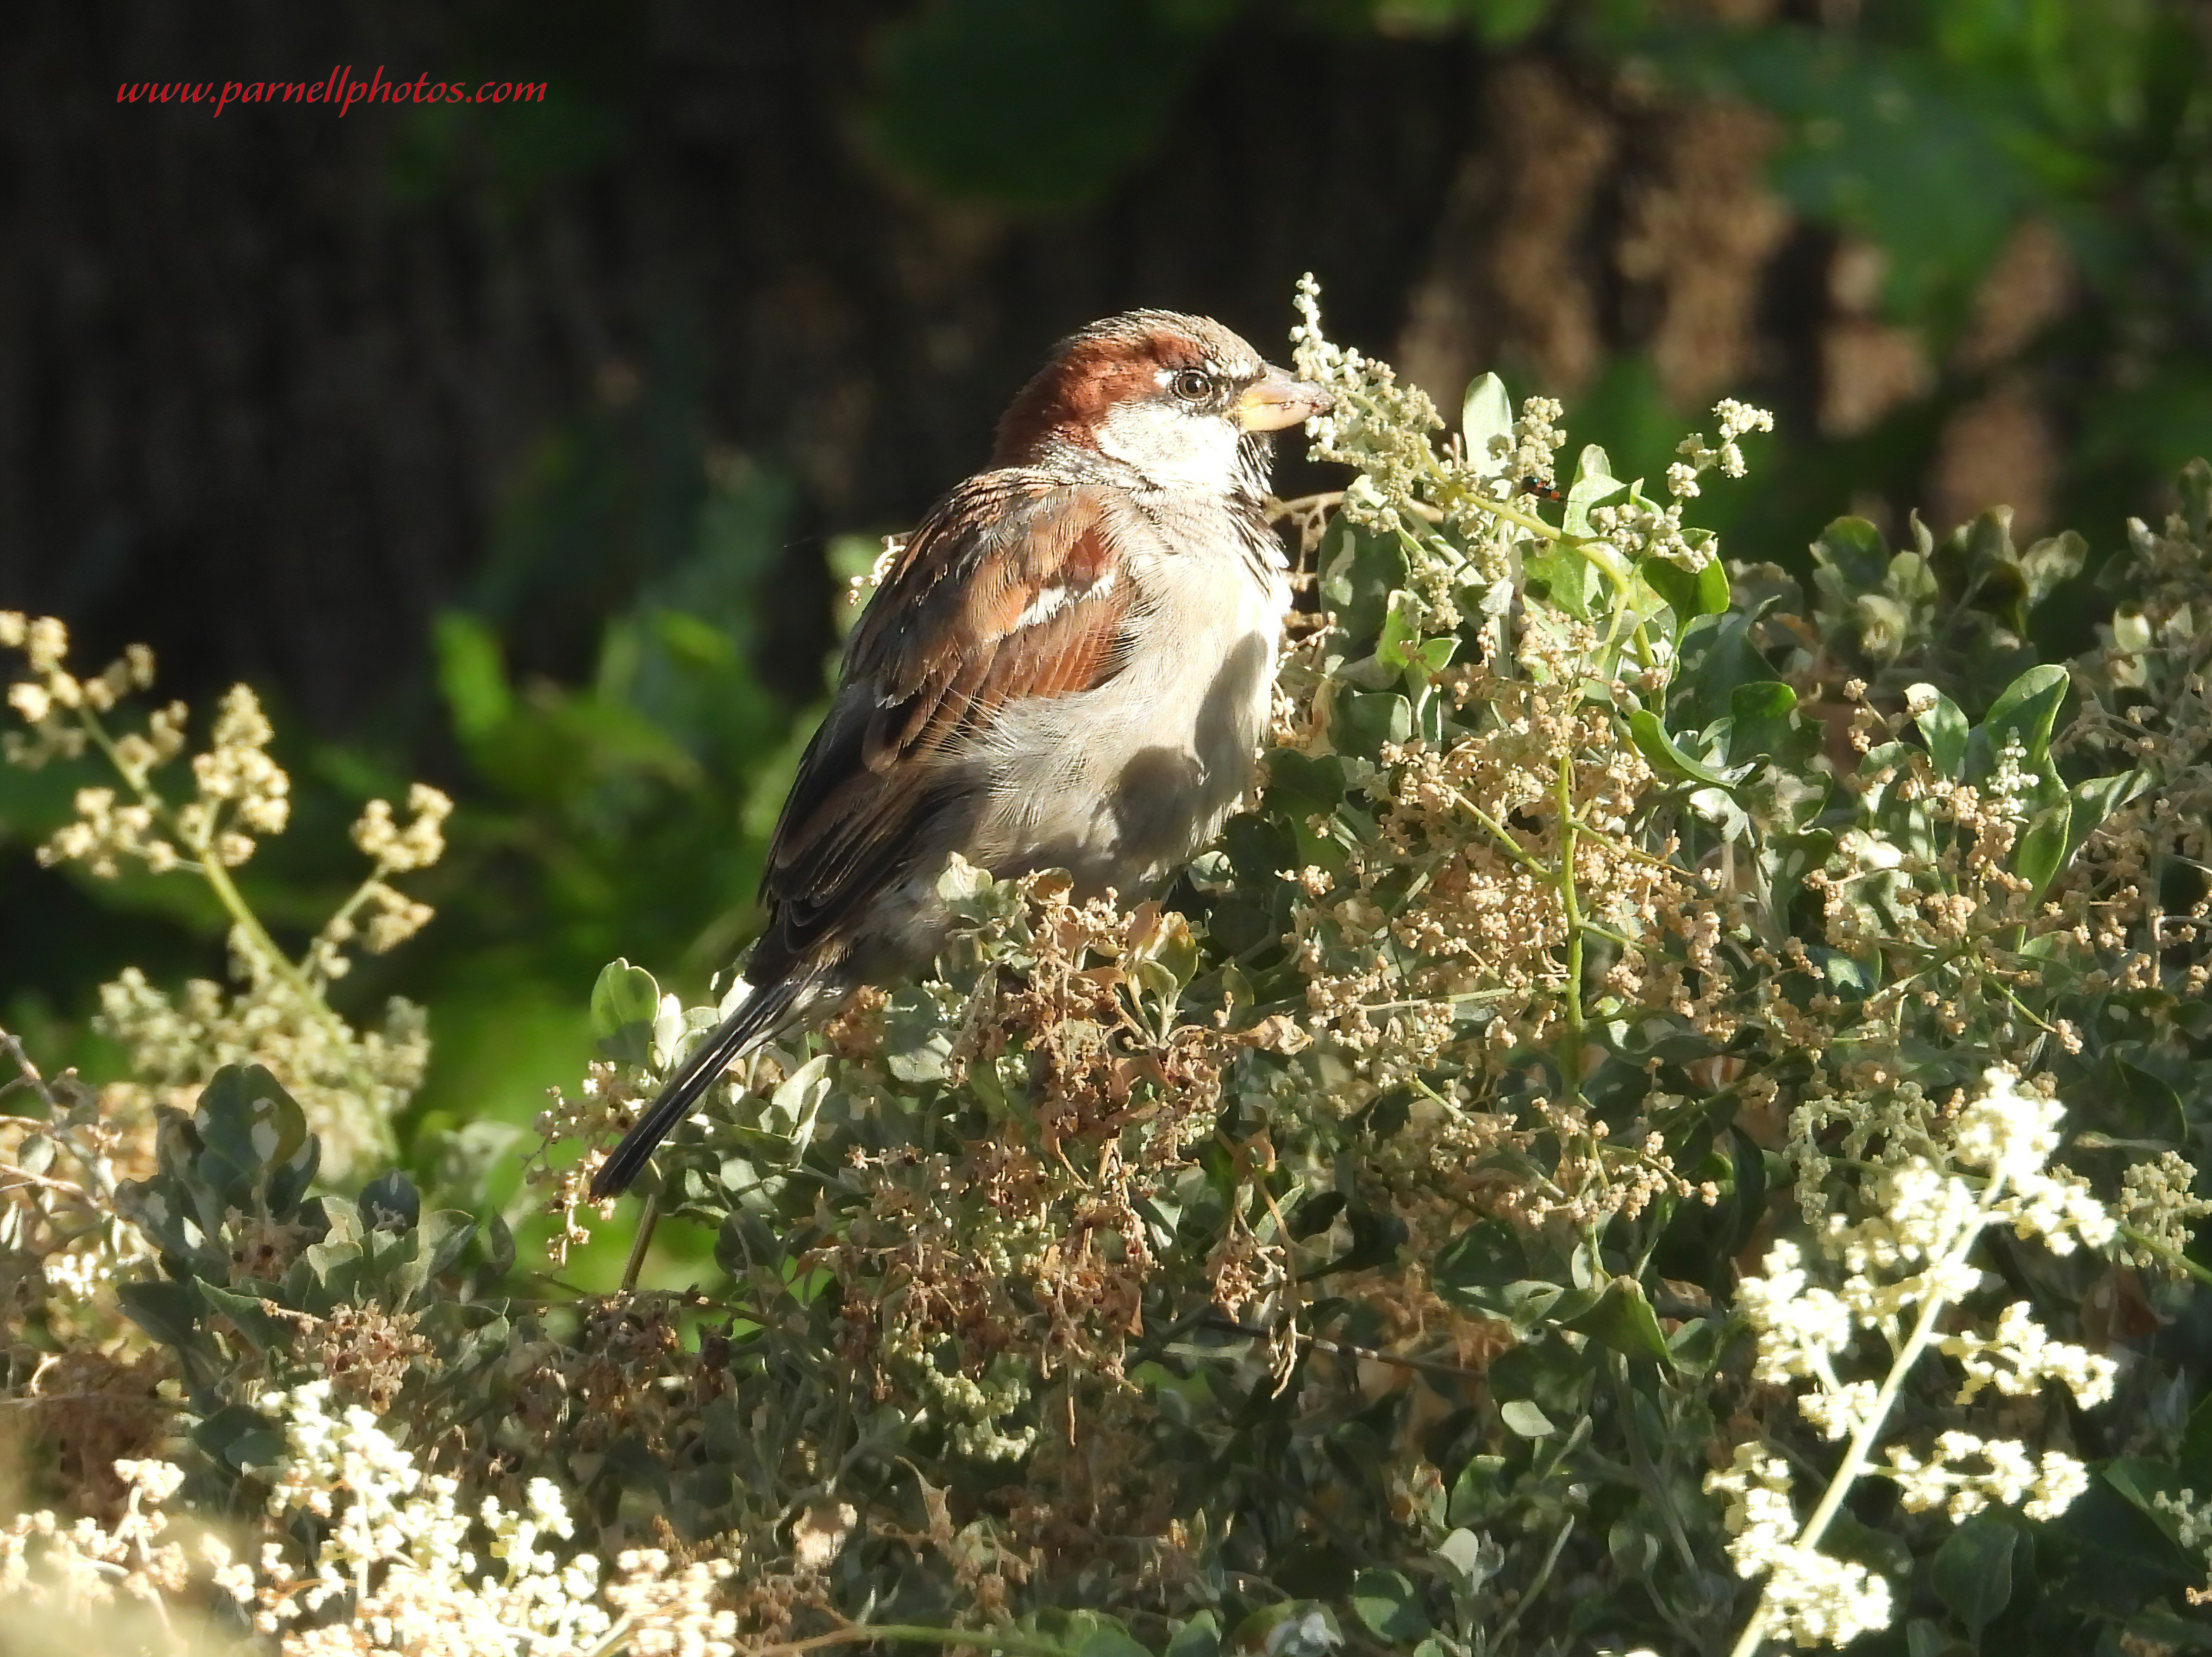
[[524, 448]]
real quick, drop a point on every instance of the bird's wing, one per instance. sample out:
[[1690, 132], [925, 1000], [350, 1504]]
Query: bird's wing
[[1012, 587]]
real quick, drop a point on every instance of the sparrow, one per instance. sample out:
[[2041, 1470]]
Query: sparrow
[[1068, 665]]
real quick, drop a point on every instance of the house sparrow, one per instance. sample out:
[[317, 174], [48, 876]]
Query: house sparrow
[[1068, 665]]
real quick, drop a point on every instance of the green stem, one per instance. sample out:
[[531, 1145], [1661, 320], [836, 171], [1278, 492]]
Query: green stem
[[218, 878], [1512, 847], [640, 1243], [2166, 1252], [1536, 1584], [1600, 554], [346, 911], [1570, 1060], [234, 902]]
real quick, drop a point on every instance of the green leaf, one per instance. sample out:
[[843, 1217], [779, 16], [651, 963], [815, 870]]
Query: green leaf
[[1399, 643], [1924, 1637], [1853, 550], [1487, 1254], [1303, 785], [2096, 800], [1389, 1604], [1376, 1237], [498, 1246], [169, 1312], [1688, 593], [2150, 1102], [1942, 727], [1763, 720], [1199, 1637], [625, 1002], [1561, 572], [1633, 1550], [1289, 1628], [1594, 485], [1522, 1416], [793, 1106], [1486, 414], [445, 1233], [1718, 807], [1717, 654], [2139, 1482], [1623, 1320], [916, 1044], [1361, 569], [245, 1117], [335, 1268], [1971, 1572], [2041, 851], [1884, 625], [1666, 757], [2025, 708], [391, 1198], [236, 1435], [1109, 1640], [289, 1179], [1361, 722], [2049, 561], [1472, 1557], [471, 675], [247, 1314]]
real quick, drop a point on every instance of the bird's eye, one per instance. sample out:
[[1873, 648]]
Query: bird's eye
[[1193, 385]]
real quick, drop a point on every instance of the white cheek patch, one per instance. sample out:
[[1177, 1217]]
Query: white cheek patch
[[1173, 449], [1051, 600]]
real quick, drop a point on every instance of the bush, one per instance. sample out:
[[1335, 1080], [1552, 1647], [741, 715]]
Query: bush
[[1669, 1124]]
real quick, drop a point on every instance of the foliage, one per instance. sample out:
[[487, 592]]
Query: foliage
[[352, 1082], [1931, 136], [1671, 1121]]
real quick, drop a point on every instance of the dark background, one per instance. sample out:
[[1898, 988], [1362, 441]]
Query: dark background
[[503, 444]]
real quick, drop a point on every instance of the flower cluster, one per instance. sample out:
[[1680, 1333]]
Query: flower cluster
[[2157, 1206], [407, 1567], [350, 1081], [2191, 1521], [1813, 1597], [1898, 1271], [1736, 421]]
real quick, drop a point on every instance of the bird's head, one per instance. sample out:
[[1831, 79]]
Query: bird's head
[[1180, 399]]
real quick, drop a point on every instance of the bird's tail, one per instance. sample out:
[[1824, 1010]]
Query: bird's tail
[[766, 1010]]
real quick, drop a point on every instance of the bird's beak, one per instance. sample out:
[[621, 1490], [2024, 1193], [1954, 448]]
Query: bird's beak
[[1277, 400]]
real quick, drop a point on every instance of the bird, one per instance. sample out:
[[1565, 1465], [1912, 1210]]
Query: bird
[[1067, 665]]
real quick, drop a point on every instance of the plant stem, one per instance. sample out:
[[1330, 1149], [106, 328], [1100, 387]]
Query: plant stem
[[1536, 1584], [1600, 554], [234, 902], [1510, 846], [218, 877], [1570, 1060], [639, 1244], [2166, 1252]]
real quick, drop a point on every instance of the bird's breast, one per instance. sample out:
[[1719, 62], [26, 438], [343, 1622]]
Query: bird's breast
[[1121, 784]]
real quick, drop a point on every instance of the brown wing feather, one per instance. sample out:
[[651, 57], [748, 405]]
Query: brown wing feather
[[940, 647]]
